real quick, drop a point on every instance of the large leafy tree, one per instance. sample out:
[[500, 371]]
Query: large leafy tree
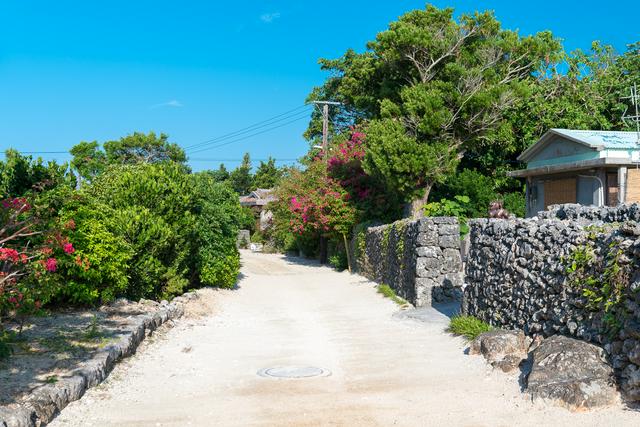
[[267, 175], [221, 174], [581, 91], [241, 178], [432, 88], [21, 174], [90, 160]]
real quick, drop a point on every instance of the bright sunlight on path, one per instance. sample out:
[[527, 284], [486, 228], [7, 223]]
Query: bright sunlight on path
[[384, 370]]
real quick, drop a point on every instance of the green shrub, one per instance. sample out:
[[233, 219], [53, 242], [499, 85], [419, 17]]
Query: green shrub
[[458, 208], [339, 261], [257, 237], [181, 227], [468, 326], [515, 203], [247, 218]]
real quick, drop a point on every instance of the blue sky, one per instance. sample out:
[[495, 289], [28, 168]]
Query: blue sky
[[73, 71]]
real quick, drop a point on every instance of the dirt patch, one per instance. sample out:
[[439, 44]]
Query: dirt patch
[[204, 304], [50, 348]]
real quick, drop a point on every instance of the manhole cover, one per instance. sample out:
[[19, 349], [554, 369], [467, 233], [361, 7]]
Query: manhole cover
[[294, 372]]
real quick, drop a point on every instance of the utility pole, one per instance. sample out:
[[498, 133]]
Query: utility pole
[[634, 116], [325, 155], [325, 126]]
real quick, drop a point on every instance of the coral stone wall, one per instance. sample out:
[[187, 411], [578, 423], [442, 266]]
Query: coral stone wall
[[578, 277], [590, 214], [419, 259]]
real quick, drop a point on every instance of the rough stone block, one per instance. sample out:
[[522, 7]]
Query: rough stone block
[[427, 239], [424, 292], [452, 260], [572, 372], [429, 252], [448, 229], [427, 267], [444, 220], [449, 241]]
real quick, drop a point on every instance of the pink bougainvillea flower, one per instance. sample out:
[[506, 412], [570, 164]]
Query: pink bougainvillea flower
[[68, 248], [51, 264], [7, 254]]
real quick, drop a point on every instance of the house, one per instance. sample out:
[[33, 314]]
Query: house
[[590, 167], [257, 200]]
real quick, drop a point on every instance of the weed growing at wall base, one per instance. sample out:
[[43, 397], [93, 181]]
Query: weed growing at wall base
[[468, 326], [386, 291]]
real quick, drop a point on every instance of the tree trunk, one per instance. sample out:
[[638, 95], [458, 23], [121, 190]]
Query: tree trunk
[[323, 250], [346, 248], [413, 209]]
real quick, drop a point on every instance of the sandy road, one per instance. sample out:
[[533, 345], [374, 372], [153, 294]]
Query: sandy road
[[385, 370]]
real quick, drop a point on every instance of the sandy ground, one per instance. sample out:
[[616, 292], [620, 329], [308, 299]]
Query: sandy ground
[[52, 346], [385, 370]]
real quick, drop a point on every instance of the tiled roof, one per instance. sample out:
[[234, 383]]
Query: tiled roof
[[602, 138]]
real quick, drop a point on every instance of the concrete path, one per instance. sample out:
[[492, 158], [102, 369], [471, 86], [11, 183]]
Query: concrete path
[[386, 369]]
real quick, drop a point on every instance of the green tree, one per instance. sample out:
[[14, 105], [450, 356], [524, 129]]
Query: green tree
[[221, 174], [267, 175], [143, 148], [241, 178], [21, 174], [581, 91], [433, 88], [90, 160]]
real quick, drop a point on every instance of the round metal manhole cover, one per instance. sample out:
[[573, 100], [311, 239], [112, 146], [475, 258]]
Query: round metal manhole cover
[[294, 372]]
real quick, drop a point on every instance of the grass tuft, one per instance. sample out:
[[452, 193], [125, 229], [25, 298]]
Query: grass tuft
[[386, 291], [468, 326]]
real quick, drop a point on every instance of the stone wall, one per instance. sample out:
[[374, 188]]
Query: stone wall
[[590, 214], [419, 259], [519, 276], [244, 239]]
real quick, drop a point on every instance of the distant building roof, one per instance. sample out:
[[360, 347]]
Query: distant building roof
[[595, 139], [568, 149], [258, 197], [602, 138]]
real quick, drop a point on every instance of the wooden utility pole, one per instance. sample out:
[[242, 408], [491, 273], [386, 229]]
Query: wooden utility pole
[[325, 155], [325, 126], [325, 131]]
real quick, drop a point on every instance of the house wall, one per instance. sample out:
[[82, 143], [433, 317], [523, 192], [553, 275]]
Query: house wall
[[633, 185], [581, 187], [559, 149]]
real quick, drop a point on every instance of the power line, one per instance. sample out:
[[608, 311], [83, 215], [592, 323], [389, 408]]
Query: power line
[[248, 136], [239, 160], [265, 123], [293, 114], [43, 152]]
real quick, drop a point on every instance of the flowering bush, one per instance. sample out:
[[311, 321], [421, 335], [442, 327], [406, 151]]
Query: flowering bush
[[30, 255], [367, 192]]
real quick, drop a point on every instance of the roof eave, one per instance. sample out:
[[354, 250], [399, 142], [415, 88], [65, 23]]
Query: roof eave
[[539, 145], [569, 167]]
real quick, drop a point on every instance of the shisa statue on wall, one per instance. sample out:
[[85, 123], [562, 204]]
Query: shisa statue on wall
[[496, 210]]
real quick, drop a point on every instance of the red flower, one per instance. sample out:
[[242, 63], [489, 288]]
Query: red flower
[[68, 248], [7, 254], [51, 264]]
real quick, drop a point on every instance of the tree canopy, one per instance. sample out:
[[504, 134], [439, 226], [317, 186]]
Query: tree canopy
[[434, 94], [90, 159]]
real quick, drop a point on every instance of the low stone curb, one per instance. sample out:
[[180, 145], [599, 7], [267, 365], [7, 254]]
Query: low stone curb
[[45, 402]]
